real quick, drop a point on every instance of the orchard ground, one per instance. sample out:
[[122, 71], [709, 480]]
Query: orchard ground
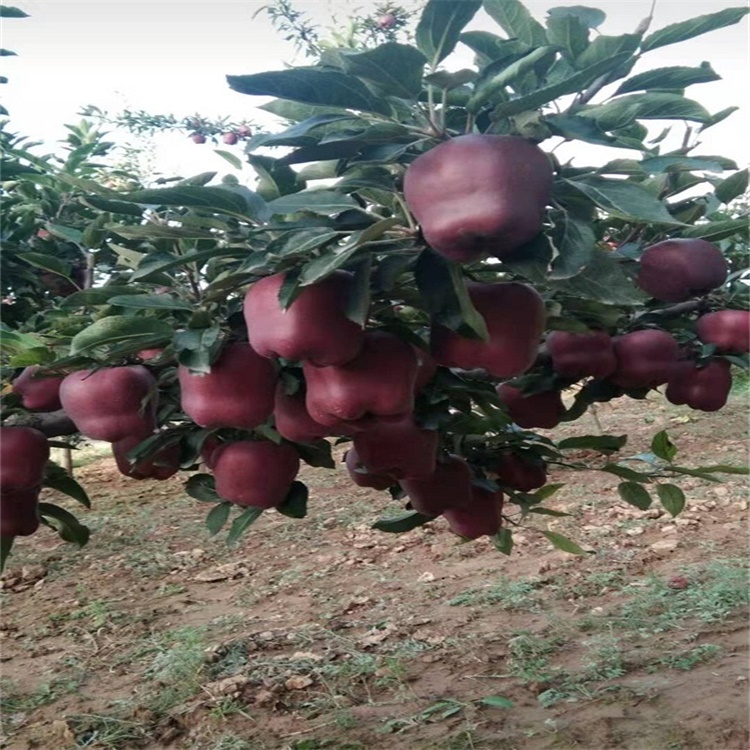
[[322, 633]]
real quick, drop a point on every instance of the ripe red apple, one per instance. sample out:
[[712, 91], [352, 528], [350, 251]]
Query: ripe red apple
[[515, 317], [313, 328], [293, 421], [38, 393], [482, 517], [198, 138], [164, 464], [645, 359], [448, 487], [397, 448], [362, 477], [238, 392], [728, 330], [19, 512], [111, 403], [244, 131], [379, 381], [257, 474], [230, 138], [387, 21], [702, 388], [675, 270], [23, 457], [477, 195], [520, 471], [537, 410], [580, 355]]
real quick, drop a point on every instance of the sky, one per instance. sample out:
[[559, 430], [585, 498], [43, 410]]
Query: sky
[[171, 56]]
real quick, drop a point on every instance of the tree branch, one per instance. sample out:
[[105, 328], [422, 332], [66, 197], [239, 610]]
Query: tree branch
[[51, 424]]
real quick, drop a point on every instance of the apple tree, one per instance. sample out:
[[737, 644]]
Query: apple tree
[[414, 273]]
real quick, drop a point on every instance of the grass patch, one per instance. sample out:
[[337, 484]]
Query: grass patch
[[518, 596]]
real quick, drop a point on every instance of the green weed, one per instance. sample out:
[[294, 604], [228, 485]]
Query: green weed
[[519, 596]]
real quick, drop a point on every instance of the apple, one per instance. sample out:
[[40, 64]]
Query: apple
[[38, 393], [397, 448], [198, 138], [645, 359], [675, 270], [146, 355], [728, 330], [537, 410], [449, 486], [210, 444], [230, 138], [238, 392], [520, 471], [478, 194], [255, 473], [24, 453], [164, 464], [313, 328], [482, 517], [379, 382], [111, 403], [702, 388], [515, 318], [362, 477], [244, 131], [293, 421], [581, 355], [387, 21], [19, 512]]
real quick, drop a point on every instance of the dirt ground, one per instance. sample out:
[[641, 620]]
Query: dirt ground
[[322, 633]]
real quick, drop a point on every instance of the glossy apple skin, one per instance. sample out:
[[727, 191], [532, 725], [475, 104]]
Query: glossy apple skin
[[645, 359], [398, 448], [19, 512], [515, 318], [705, 388], [106, 404], [675, 270], [482, 517], [581, 355], [163, 465], [257, 474], [449, 486], [38, 393], [520, 472], [24, 453], [363, 477], [313, 328], [477, 195], [728, 330], [378, 382], [293, 421], [238, 392], [536, 411]]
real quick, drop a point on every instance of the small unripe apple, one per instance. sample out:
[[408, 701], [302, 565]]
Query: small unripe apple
[[24, 453], [257, 474], [675, 270], [537, 410], [293, 421], [703, 388], [482, 517], [581, 355], [728, 330], [230, 138], [362, 476], [19, 512], [520, 472], [645, 359], [38, 393], [449, 486], [162, 465]]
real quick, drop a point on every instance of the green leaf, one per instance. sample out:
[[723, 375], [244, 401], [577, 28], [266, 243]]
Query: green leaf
[[202, 487], [603, 280], [578, 128], [157, 263], [726, 469], [562, 542], [601, 443], [395, 69], [625, 473], [591, 17], [672, 498], [495, 701], [138, 333], [9, 11], [296, 135], [679, 32], [275, 179], [317, 453], [329, 88], [295, 502], [58, 479], [616, 49], [47, 263], [548, 512], [663, 447], [732, 187], [197, 348], [713, 231], [575, 243], [216, 199], [678, 163], [653, 105], [240, 524], [65, 523], [325, 202], [401, 523], [634, 494], [491, 48], [443, 289], [568, 32], [217, 517], [503, 541], [150, 302], [359, 300], [516, 21], [440, 26], [674, 77]]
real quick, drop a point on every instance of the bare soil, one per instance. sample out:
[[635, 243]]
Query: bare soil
[[323, 633]]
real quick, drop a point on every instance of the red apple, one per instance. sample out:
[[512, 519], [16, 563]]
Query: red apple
[[38, 393], [702, 388], [164, 464], [515, 317], [293, 421], [482, 517], [448, 487], [645, 359], [238, 392], [19, 512], [111, 403], [728, 330], [230, 138], [257, 474], [24, 453], [387, 21], [244, 131], [520, 472], [198, 138], [362, 477], [581, 355], [537, 410]]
